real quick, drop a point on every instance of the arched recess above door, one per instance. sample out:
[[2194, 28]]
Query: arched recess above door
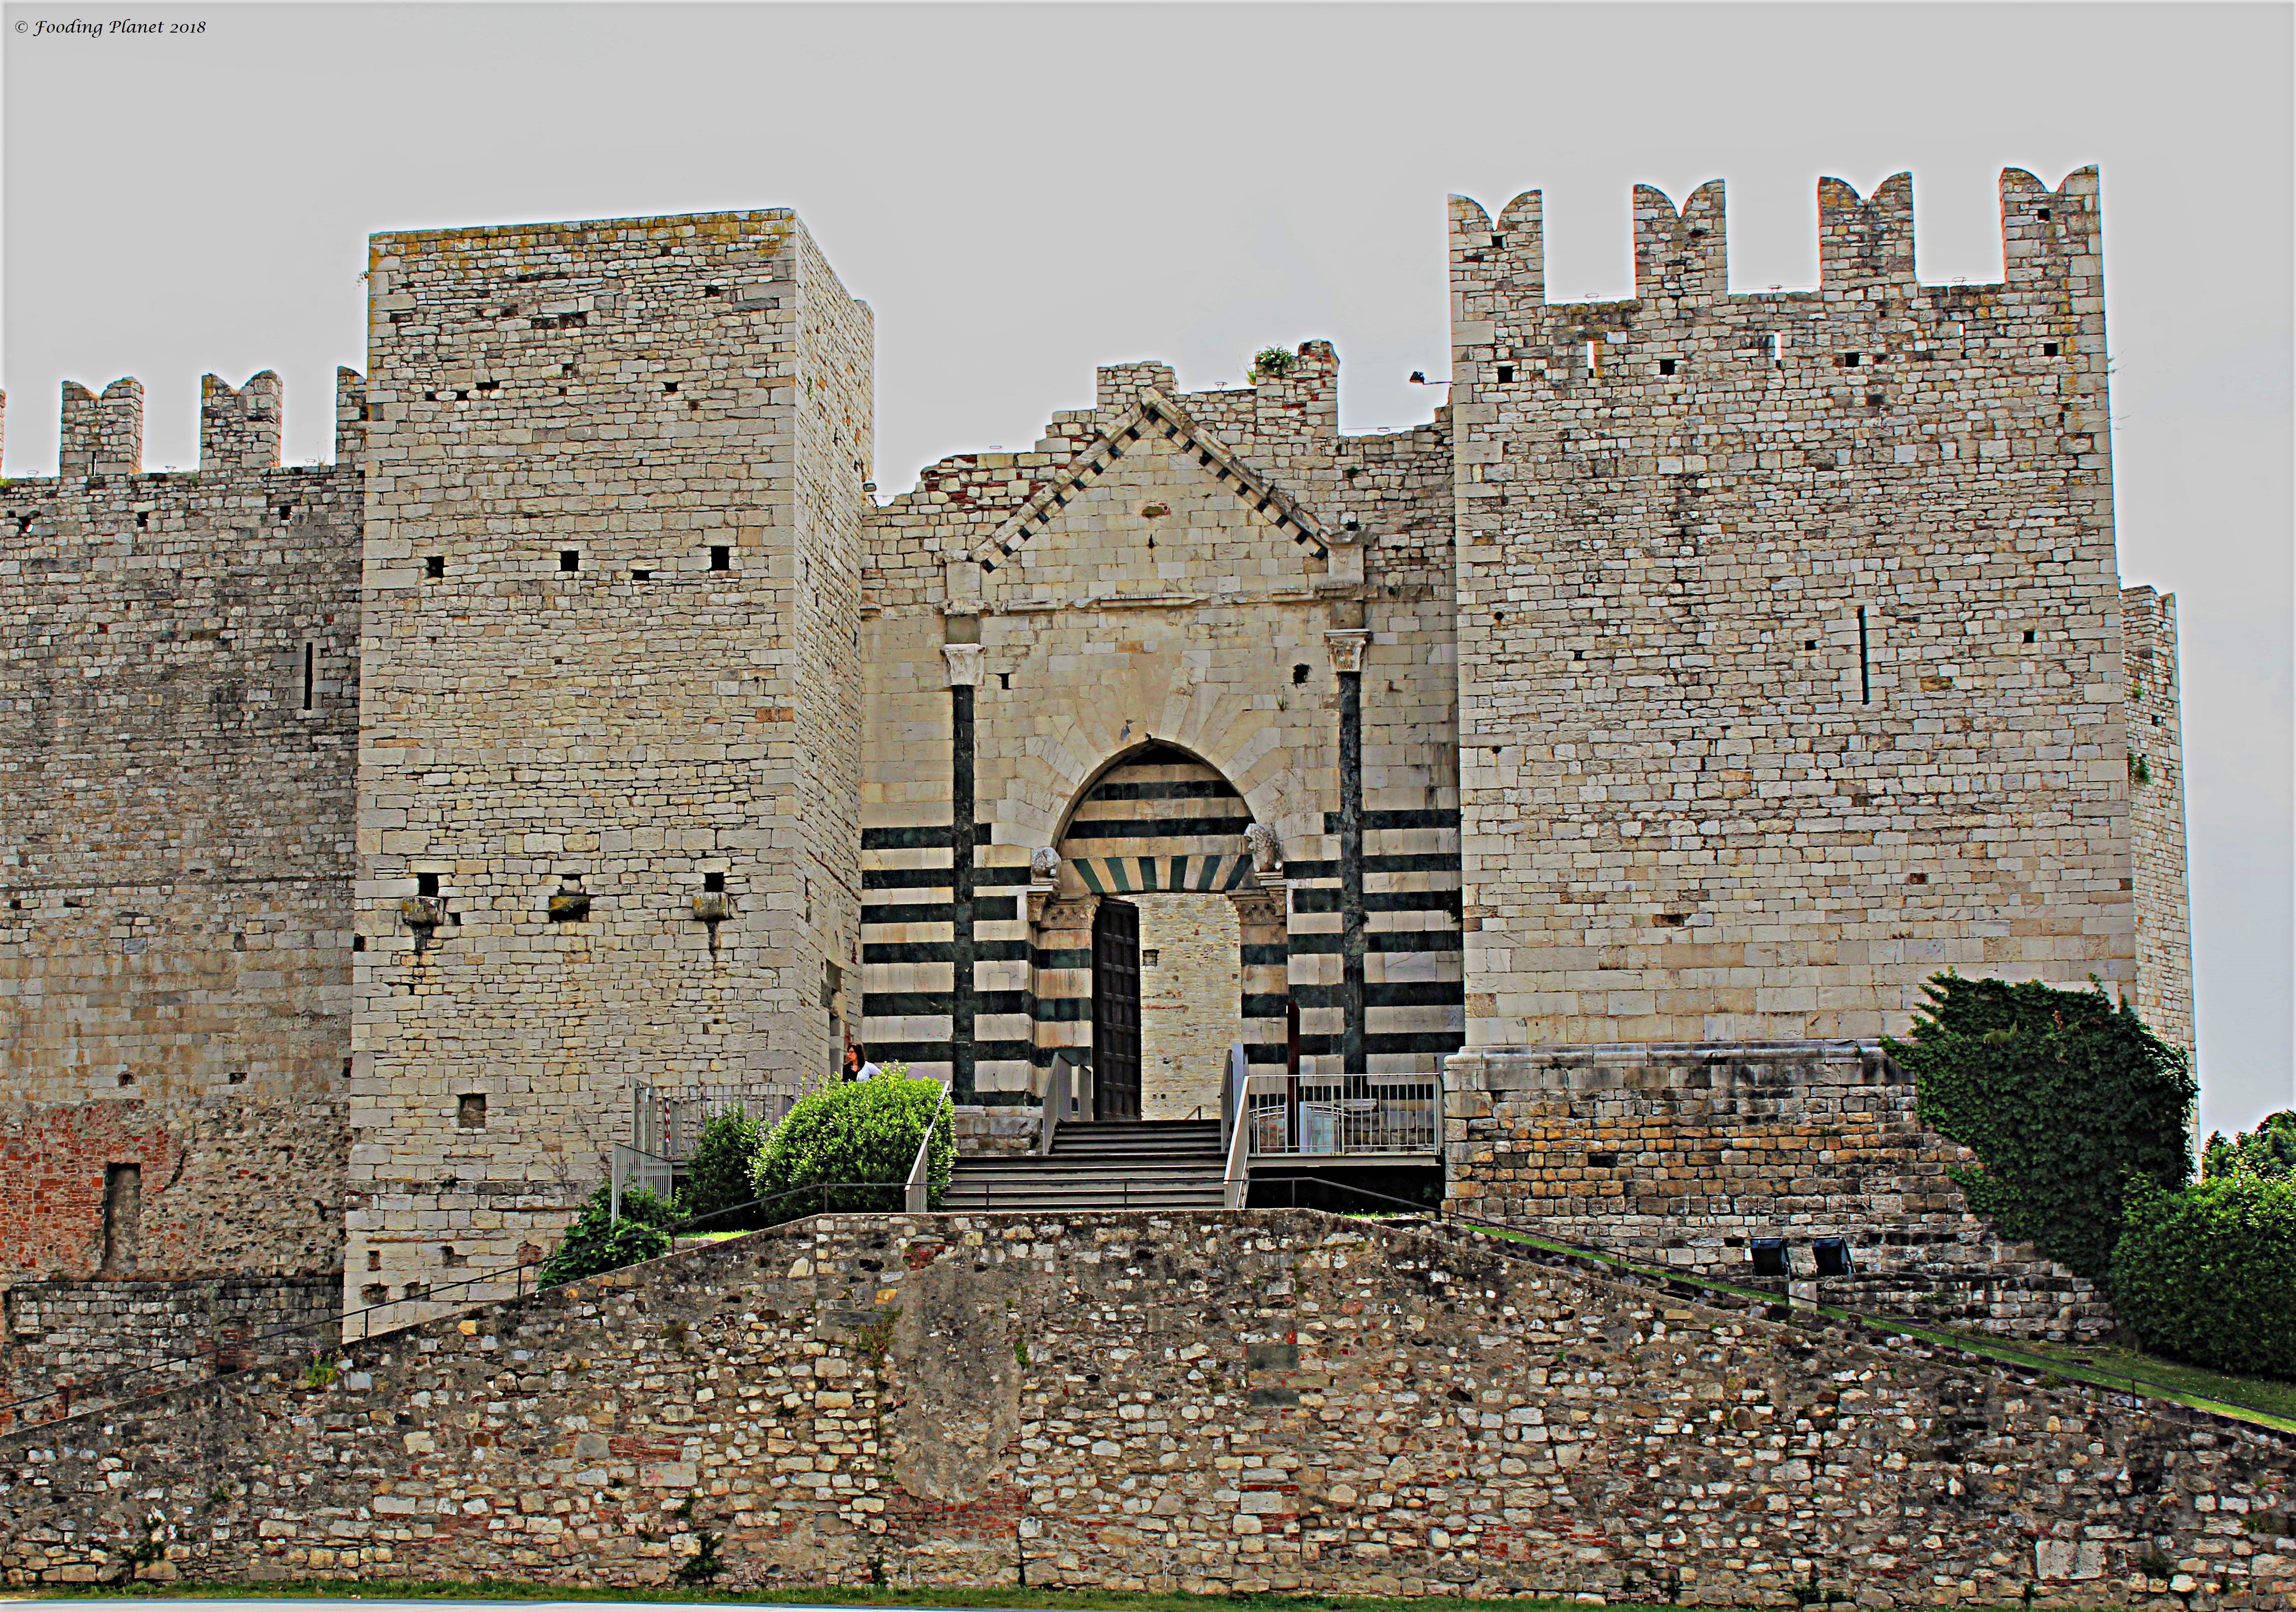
[[1159, 819]]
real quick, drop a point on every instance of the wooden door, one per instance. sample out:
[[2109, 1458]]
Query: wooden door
[[1116, 1010]]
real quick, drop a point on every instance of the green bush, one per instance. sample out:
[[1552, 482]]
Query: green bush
[[2062, 1096], [1273, 361], [2269, 1152], [718, 1175], [2209, 1275], [597, 1242], [865, 1131]]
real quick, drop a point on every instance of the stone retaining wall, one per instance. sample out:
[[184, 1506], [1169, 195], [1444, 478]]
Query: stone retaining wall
[[1263, 1401], [1687, 1156], [77, 1336]]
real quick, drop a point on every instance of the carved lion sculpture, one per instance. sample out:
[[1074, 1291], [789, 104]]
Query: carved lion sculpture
[[1267, 850]]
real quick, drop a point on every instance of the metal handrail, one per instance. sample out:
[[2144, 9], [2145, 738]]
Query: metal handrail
[[918, 1189], [1060, 1091], [1236, 1183]]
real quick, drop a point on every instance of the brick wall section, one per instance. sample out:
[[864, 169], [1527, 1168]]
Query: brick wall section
[[229, 1187], [2156, 813], [1268, 1400], [1684, 1156], [635, 393], [1693, 813]]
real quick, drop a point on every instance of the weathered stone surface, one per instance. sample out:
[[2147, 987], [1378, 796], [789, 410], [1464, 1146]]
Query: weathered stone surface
[[1686, 1156], [1267, 1400]]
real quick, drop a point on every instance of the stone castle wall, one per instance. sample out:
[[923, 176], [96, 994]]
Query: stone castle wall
[[2156, 813], [1790, 640], [613, 506], [178, 718], [1687, 1157], [1268, 1400]]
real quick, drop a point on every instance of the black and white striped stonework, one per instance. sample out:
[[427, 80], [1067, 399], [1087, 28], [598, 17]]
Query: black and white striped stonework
[[1162, 821], [908, 941], [1165, 821], [1414, 1000]]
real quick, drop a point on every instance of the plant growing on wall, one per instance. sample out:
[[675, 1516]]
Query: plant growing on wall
[[1273, 361], [725, 1158], [2209, 1274], [596, 1241], [2062, 1096], [864, 1132]]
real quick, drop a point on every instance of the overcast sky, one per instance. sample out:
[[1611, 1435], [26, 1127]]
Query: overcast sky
[[1023, 192]]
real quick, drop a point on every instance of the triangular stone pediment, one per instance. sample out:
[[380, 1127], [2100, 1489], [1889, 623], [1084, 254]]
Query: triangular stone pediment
[[1154, 415]]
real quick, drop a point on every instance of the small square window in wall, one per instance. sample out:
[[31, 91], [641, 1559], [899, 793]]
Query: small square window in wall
[[1770, 1256], [1832, 1255], [434, 565], [470, 1110], [570, 559], [2048, 349], [721, 558], [1506, 374], [1665, 366]]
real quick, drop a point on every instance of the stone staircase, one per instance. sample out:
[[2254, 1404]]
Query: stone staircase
[[1152, 1164]]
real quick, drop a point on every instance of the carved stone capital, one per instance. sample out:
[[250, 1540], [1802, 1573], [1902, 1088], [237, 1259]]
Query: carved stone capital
[[1258, 909], [963, 664], [1346, 645]]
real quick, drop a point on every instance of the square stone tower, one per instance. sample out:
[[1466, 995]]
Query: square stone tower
[[1790, 640], [610, 735]]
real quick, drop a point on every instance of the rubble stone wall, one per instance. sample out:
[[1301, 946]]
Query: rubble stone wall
[[104, 1341], [1685, 1156], [1264, 1401]]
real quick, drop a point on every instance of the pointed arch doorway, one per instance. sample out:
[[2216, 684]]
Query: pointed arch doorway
[[1160, 947]]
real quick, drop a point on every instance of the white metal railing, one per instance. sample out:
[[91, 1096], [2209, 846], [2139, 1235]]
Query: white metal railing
[[1235, 1181], [669, 1124], [918, 1195], [633, 1167], [1323, 1116], [1068, 1095]]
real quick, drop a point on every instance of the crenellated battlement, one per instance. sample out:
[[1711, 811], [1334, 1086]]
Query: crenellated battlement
[[240, 430], [102, 434], [1865, 243]]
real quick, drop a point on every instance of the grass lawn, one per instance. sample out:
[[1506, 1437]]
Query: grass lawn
[[2265, 1400]]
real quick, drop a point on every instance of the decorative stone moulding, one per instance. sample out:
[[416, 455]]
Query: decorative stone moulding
[[1347, 647], [963, 664], [1267, 850], [569, 906]]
